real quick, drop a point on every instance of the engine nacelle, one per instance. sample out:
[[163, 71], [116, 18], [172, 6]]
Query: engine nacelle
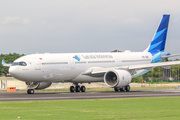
[[117, 78], [38, 86]]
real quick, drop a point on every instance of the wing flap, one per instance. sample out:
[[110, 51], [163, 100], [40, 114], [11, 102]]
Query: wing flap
[[96, 70]]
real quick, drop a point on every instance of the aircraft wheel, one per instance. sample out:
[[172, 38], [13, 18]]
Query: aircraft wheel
[[78, 88], [83, 88], [30, 91], [127, 88], [116, 89], [122, 89], [72, 89]]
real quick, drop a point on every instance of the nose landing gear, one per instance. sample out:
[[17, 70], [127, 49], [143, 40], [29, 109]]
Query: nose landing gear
[[30, 91]]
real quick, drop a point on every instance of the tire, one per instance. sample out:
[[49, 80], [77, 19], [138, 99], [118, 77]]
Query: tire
[[116, 89], [122, 89], [127, 88], [28, 91], [32, 91], [83, 89], [72, 89], [78, 88]]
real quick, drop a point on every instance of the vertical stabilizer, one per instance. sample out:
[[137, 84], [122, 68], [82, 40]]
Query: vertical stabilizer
[[159, 40]]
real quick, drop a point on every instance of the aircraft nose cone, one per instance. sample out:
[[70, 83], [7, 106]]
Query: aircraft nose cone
[[16, 72], [11, 71]]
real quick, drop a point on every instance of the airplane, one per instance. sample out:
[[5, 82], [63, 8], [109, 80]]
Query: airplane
[[116, 69]]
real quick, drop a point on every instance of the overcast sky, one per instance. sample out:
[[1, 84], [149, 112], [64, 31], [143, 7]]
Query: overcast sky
[[85, 25]]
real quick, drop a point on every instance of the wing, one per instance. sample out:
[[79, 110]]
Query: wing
[[4, 63], [153, 65], [101, 71]]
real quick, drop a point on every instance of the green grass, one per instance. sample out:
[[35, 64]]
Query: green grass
[[163, 108]]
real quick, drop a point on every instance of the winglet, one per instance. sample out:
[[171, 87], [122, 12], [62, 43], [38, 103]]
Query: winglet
[[3, 61]]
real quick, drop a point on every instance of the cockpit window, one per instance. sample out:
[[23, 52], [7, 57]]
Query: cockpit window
[[19, 64], [22, 64], [15, 63]]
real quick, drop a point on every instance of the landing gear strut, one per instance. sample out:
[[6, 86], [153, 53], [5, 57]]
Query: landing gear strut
[[30, 91], [77, 88]]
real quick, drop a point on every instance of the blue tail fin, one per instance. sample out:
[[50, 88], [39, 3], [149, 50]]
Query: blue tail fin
[[159, 40]]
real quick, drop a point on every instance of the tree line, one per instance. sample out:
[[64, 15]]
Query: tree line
[[160, 74]]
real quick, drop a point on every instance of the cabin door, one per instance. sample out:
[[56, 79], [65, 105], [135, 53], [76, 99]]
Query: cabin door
[[37, 64]]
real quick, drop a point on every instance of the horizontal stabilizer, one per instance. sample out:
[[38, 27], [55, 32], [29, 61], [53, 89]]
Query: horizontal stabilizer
[[170, 56]]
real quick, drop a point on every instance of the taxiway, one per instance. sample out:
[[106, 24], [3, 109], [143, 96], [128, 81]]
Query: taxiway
[[22, 96]]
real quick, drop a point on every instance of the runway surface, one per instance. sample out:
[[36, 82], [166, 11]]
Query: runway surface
[[22, 96]]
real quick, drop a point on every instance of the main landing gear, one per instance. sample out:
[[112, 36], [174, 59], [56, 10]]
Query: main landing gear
[[77, 88], [30, 91], [122, 89]]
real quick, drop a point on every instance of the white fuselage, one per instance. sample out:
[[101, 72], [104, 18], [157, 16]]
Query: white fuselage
[[69, 67]]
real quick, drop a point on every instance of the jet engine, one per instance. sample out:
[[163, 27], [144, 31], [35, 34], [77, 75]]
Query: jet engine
[[38, 86], [117, 78]]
